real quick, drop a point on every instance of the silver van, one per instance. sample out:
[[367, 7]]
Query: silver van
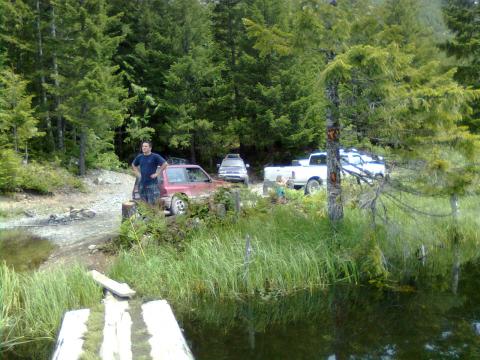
[[233, 169]]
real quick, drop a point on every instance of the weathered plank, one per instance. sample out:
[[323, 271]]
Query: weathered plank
[[119, 289], [117, 330], [167, 340], [70, 339]]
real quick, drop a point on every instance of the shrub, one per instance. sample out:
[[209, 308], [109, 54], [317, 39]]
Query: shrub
[[10, 165], [45, 178], [108, 161]]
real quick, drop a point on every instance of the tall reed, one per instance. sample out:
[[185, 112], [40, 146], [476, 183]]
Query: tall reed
[[296, 247], [33, 305], [10, 307]]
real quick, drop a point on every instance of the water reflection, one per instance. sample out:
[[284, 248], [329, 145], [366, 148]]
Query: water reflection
[[23, 251], [342, 323]]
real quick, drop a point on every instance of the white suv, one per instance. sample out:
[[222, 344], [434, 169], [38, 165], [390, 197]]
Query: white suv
[[233, 169], [354, 162]]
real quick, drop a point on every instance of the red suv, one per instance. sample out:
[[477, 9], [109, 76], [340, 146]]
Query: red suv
[[178, 181]]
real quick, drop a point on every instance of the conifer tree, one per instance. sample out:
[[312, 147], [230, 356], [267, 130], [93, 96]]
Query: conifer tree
[[191, 81], [17, 122], [94, 97], [462, 19]]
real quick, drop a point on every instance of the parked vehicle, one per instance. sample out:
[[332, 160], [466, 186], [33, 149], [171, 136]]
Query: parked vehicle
[[355, 163], [181, 182], [233, 169], [313, 174], [310, 176]]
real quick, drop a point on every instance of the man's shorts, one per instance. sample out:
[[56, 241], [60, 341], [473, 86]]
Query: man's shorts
[[149, 193]]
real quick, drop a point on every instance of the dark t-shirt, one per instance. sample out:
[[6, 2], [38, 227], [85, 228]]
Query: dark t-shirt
[[148, 166]]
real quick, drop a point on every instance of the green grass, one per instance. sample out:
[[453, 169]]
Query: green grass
[[32, 306], [295, 247]]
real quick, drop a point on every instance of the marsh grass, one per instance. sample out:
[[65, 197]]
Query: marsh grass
[[32, 306], [291, 250], [295, 247]]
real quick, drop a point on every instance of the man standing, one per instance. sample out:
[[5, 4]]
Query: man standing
[[148, 166]]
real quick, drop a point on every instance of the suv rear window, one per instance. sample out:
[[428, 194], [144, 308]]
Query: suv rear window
[[233, 162], [176, 175], [197, 175]]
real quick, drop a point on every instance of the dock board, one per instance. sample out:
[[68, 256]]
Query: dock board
[[71, 337], [167, 341], [119, 289], [117, 330], [156, 321]]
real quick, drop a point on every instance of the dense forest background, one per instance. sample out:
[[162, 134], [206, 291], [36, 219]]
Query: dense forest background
[[84, 81]]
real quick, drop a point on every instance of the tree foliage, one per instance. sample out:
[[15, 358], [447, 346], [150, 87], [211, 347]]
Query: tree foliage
[[204, 78]]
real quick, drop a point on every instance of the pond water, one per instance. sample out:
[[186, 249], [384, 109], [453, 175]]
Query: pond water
[[23, 251], [342, 323]]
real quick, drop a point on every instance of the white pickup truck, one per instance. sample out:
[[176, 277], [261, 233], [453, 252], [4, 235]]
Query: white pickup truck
[[314, 174]]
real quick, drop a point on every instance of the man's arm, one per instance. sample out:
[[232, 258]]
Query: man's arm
[[159, 170], [136, 170]]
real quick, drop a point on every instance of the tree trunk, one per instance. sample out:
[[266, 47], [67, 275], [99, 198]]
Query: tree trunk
[[454, 207], [48, 123], [15, 138], [60, 122], [455, 243], [193, 158], [83, 147], [26, 152], [334, 188], [233, 58]]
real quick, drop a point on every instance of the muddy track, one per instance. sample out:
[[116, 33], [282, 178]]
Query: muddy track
[[54, 217]]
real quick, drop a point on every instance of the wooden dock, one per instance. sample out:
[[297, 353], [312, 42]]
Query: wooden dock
[[161, 337]]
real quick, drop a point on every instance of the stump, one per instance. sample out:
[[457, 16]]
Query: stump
[[267, 185], [129, 209]]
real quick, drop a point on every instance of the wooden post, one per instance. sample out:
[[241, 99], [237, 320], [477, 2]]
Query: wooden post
[[246, 260], [129, 209], [236, 196], [267, 185]]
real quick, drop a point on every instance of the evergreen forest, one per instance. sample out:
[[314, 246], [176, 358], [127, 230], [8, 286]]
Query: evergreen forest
[[83, 82]]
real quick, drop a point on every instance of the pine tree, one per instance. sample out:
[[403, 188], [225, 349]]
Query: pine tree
[[190, 83], [94, 98], [17, 122], [462, 19]]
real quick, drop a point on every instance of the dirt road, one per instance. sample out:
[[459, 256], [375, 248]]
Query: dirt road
[[55, 218]]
